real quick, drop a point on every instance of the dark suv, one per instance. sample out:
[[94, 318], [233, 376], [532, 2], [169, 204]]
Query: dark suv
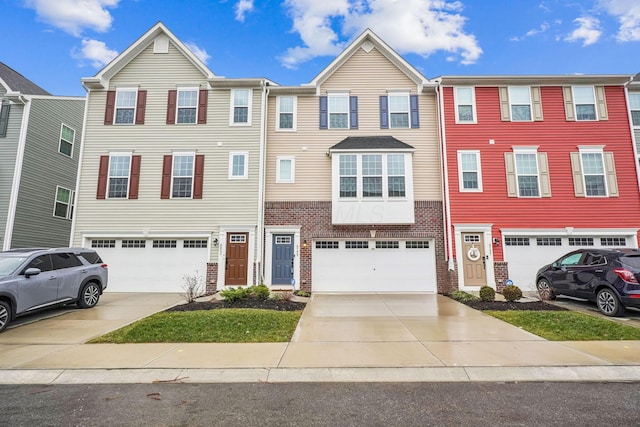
[[34, 279], [607, 276]]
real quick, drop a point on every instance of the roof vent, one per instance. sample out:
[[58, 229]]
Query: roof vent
[[161, 44]]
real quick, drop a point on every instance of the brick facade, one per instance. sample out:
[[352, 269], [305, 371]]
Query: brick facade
[[314, 220], [501, 269], [212, 277]]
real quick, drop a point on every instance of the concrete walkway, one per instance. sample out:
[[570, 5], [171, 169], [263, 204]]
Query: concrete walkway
[[373, 337]]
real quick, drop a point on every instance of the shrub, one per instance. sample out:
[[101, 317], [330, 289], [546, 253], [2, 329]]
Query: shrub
[[261, 291], [487, 293], [302, 293], [512, 293], [281, 296], [463, 296], [235, 294], [193, 286]]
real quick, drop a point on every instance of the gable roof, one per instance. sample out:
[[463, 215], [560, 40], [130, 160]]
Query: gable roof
[[101, 80], [367, 40], [13, 81], [368, 143]]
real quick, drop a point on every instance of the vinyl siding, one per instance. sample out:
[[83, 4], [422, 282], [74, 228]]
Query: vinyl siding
[[44, 168], [8, 152], [367, 76], [224, 201]]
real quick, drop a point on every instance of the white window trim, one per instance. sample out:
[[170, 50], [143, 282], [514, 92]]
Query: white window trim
[[473, 105], [295, 114], [62, 126], [511, 103], [187, 89], [341, 94], [292, 180], [70, 205], [385, 178], [135, 105], [633, 94], [598, 149], [575, 103], [245, 155], [122, 154], [478, 171], [193, 171], [232, 107], [527, 150], [408, 112]]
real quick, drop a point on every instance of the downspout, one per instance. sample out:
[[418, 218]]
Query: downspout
[[80, 158], [17, 174], [261, 184], [445, 172]]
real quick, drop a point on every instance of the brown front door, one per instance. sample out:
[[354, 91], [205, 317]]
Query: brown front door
[[237, 259], [473, 260]]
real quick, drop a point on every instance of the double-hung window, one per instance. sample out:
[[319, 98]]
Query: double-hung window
[[241, 107], [469, 173], [520, 103], [634, 105], [67, 137], [585, 103], [238, 165], [286, 112], [593, 171], [396, 175], [119, 172], [338, 104], [527, 173], [464, 98], [125, 108], [348, 175], [399, 110], [371, 175], [187, 108], [182, 175], [63, 207], [285, 169]]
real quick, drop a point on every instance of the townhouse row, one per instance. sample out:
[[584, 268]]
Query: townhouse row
[[370, 178]]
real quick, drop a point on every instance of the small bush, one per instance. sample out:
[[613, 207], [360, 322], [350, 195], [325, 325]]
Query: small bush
[[463, 296], [261, 292], [511, 293], [235, 294], [487, 293], [302, 293], [193, 286], [281, 296]]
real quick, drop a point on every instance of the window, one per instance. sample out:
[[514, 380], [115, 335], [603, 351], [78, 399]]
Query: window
[[516, 241], [348, 175], [338, 111], [464, 98], [570, 260], [103, 243], [419, 244], [238, 238], [164, 243], [469, 176], [67, 137], [195, 244], [387, 245], [182, 176], [283, 240], [580, 241], [125, 106], [549, 241], [520, 103], [371, 175], [356, 244], [238, 165], [119, 169], [395, 175], [527, 174], [241, 106], [593, 174], [585, 103], [42, 262], [61, 261], [134, 243], [399, 110], [285, 169], [286, 112], [634, 105], [63, 207], [187, 105], [5, 107], [613, 241], [327, 245]]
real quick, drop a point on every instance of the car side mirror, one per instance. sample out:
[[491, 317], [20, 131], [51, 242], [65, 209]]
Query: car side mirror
[[32, 272]]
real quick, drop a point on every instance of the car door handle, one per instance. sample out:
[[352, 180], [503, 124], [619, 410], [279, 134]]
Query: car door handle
[[599, 270]]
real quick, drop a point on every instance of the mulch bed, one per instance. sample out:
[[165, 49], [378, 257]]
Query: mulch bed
[[506, 305], [280, 305]]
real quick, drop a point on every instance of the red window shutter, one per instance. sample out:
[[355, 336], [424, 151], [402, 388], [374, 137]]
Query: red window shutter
[[171, 107], [110, 109], [198, 177], [134, 178], [165, 192], [102, 177], [202, 107], [142, 103]]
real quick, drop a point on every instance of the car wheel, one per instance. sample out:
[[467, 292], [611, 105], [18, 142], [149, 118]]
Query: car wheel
[[544, 290], [89, 296], [608, 303], [5, 315]]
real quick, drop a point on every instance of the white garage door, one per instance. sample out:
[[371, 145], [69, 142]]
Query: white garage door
[[374, 266], [152, 265], [526, 255]]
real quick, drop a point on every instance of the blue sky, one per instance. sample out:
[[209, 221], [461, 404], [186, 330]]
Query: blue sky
[[55, 43]]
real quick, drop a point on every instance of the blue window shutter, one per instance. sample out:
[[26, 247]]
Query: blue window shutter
[[384, 112], [323, 112], [353, 112], [415, 117]]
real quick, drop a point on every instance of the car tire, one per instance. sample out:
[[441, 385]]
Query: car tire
[[545, 291], [5, 315], [89, 295], [608, 303]]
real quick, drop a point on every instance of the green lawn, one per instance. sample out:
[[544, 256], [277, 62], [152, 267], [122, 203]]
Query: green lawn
[[238, 325], [567, 325]]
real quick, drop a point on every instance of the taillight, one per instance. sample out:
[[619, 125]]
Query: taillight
[[626, 275], [103, 265]]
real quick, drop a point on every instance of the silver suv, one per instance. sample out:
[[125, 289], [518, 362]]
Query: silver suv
[[34, 279]]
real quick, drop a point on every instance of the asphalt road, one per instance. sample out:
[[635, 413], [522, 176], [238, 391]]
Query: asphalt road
[[335, 404]]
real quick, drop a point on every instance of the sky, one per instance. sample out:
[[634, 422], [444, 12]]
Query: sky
[[55, 43]]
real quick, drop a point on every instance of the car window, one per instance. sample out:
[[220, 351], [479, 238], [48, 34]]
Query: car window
[[43, 262], [594, 259], [570, 260], [9, 264], [631, 260], [65, 261], [91, 257]]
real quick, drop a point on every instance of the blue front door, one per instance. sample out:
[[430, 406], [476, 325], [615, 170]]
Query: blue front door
[[282, 259]]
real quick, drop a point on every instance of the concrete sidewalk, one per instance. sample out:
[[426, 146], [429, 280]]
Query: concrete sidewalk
[[374, 337]]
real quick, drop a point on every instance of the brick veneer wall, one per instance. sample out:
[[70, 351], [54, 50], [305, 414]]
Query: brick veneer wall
[[212, 277], [314, 218], [501, 270]]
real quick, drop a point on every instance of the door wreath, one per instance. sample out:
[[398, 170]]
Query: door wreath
[[473, 254]]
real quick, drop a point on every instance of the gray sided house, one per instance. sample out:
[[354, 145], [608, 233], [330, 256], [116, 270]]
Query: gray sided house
[[39, 150]]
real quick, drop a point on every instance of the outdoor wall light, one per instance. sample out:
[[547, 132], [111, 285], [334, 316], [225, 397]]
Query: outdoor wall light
[[304, 244], [215, 242]]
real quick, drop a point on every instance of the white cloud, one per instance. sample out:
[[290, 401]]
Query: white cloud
[[73, 16], [96, 52], [628, 13], [588, 31], [199, 52], [242, 7], [411, 26], [543, 28]]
